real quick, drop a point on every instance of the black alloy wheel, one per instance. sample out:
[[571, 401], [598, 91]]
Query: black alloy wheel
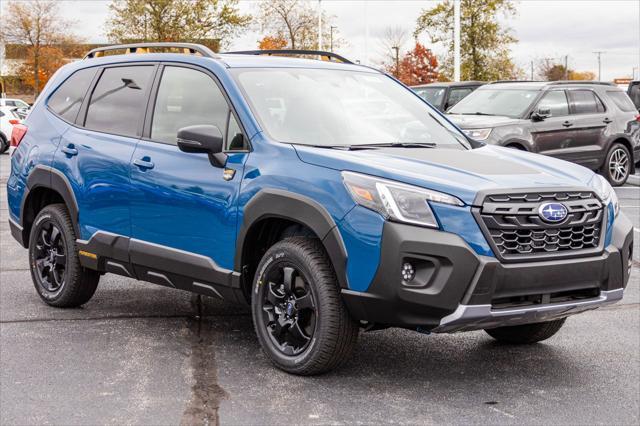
[[289, 309], [50, 257]]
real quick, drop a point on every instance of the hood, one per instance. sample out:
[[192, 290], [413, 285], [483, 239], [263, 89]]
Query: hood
[[462, 173], [480, 121]]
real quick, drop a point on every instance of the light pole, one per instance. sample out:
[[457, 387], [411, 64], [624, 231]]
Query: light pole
[[397, 49], [319, 24], [331, 28], [599, 53], [456, 40]]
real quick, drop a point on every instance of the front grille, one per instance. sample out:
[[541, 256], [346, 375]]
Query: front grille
[[516, 231]]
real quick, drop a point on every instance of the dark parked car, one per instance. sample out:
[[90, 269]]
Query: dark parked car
[[445, 95], [594, 124], [634, 93]]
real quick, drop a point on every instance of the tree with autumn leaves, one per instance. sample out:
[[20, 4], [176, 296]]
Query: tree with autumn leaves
[[417, 66]]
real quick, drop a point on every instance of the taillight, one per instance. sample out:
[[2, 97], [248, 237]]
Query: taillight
[[19, 130], [637, 117], [14, 121]]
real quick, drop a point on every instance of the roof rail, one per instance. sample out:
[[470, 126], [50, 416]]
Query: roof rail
[[515, 81], [290, 52], [602, 83], [187, 48]]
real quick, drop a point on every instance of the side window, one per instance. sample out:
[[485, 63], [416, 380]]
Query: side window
[[119, 99], [457, 95], [186, 97], [556, 102], [622, 101], [585, 102], [67, 99], [235, 139], [634, 94], [11, 103]]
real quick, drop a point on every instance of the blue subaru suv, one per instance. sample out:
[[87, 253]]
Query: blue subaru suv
[[324, 193]]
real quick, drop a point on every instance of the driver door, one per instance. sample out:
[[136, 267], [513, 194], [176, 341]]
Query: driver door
[[554, 134], [183, 208]]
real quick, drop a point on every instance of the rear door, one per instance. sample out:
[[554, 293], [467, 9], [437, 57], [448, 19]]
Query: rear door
[[555, 134], [591, 120], [95, 153], [182, 205]]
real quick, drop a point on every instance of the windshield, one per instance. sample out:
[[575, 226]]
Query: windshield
[[433, 95], [505, 102], [341, 108]]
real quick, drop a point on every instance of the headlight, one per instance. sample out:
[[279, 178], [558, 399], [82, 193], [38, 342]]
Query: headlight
[[605, 192], [396, 201], [477, 134]]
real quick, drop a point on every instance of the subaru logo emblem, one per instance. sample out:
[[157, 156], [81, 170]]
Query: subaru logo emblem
[[553, 212]]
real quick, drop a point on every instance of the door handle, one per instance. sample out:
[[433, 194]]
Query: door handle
[[607, 120], [144, 163], [567, 124], [70, 150]]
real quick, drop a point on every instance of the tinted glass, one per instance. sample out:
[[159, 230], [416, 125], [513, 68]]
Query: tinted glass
[[186, 97], [556, 102], [234, 135], [328, 107], [505, 102], [66, 100], [634, 94], [585, 102], [622, 101], [11, 103], [457, 95], [118, 102], [433, 95]]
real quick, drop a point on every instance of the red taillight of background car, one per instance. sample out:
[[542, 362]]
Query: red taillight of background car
[[637, 117], [19, 130], [14, 121]]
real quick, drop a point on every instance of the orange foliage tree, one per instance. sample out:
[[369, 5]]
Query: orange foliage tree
[[50, 59], [272, 43], [418, 66]]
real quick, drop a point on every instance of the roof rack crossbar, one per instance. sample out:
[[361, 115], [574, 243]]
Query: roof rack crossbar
[[324, 54], [191, 48], [603, 83]]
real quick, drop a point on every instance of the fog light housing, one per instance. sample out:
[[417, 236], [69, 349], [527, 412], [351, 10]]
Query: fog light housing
[[408, 272]]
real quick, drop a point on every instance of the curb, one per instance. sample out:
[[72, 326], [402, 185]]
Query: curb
[[634, 180]]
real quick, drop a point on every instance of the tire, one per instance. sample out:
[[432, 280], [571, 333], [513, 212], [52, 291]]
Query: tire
[[4, 144], [56, 272], [617, 165], [527, 333], [301, 322]]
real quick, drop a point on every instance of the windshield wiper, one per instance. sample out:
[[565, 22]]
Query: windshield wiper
[[397, 145], [473, 113]]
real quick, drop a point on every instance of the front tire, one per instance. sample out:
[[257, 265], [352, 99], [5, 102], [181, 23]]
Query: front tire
[[617, 165], [526, 333], [56, 272], [4, 144], [301, 322]]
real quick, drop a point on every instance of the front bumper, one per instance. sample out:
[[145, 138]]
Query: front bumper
[[455, 289]]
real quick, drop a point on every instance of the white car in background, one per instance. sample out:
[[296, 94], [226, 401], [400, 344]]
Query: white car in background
[[8, 117], [13, 103]]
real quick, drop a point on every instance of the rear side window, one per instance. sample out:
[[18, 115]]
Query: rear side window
[[556, 102], [634, 94], [66, 100], [622, 101], [119, 99], [186, 97], [585, 102]]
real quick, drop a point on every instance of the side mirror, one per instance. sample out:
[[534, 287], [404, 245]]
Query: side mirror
[[203, 138], [540, 114]]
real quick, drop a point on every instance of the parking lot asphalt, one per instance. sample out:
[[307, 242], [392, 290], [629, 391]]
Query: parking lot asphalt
[[143, 354]]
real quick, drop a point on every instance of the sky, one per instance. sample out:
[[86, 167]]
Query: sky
[[544, 28]]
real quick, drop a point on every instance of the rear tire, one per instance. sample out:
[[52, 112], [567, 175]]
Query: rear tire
[[299, 317], [56, 272], [617, 165], [527, 333]]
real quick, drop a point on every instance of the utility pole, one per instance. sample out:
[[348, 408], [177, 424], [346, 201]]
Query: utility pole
[[319, 24], [599, 53], [331, 37], [456, 40], [566, 67], [397, 49]]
